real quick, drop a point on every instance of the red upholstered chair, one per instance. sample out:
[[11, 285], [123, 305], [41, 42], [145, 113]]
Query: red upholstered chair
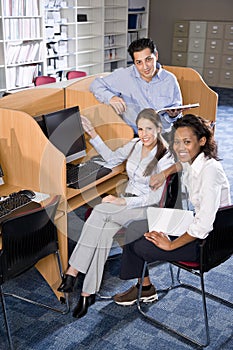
[[214, 250], [75, 74], [44, 79]]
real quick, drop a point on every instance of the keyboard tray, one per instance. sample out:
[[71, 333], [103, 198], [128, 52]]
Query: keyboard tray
[[85, 174], [21, 210]]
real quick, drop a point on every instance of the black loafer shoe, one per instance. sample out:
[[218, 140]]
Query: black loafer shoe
[[67, 284], [81, 308]]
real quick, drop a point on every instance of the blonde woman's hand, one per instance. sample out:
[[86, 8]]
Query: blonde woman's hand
[[114, 200], [157, 180], [88, 127]]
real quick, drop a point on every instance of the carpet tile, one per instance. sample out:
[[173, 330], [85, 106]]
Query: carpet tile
[[112, 327]]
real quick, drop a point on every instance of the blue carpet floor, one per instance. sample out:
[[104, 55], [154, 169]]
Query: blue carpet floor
[[109, 326]]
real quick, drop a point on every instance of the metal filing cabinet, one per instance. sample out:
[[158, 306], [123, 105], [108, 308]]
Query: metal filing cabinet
[[226, 68], [207, 47], [180, 43], [213, 51], [196, 45]]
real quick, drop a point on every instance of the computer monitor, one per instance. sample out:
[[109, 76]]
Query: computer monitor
[[64, 129]]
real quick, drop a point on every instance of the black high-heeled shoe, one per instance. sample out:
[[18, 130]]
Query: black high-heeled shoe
[[81, 308], [68, 283]]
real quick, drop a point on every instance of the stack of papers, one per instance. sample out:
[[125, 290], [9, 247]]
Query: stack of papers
[[173, 222]]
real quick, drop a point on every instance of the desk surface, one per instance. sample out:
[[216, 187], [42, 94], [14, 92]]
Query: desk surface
[[57, 85], [78, 197]]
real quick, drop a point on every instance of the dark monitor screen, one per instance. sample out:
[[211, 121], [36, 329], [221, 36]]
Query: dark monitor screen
[[65, 131]]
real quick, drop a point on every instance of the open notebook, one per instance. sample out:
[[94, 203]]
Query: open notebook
[[173, 222]]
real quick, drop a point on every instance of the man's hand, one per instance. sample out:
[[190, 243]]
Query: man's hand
[[157, 180], [118, 104], [173, 112], [159, 239], [114, 200]]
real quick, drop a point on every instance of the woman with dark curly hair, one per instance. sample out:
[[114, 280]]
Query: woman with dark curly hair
[[208, 190]]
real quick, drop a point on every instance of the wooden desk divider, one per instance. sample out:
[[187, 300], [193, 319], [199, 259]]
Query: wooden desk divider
[[194, 89], [35, 101], [29, 160], [78, 92]]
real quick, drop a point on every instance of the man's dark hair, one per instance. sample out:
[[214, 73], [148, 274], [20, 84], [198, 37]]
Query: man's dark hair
[[141, 44]]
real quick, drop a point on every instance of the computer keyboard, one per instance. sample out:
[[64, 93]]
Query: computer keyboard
[[15, 203], [80, 175]]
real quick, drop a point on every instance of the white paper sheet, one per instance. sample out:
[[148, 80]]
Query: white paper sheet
[[173, 222]]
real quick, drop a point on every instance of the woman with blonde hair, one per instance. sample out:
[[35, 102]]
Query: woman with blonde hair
[[146, 155]]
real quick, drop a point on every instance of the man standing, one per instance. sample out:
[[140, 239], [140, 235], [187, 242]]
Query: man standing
[[145, 84]]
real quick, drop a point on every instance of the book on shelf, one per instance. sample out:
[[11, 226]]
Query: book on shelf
[[172, 222], [21, 8], [21, 76], [22, 28], [23, 53], [135, 21], [11, 77], [24, 75], [31, 8], [12, 53], [182, 107], [15, 7]]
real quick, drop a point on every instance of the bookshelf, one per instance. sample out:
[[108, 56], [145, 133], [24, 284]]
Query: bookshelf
[[21, 43], [51, 37], [115, 29], [74, 35], [138, 19]]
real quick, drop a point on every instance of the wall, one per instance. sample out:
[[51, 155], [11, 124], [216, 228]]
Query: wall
[[163, 14]]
